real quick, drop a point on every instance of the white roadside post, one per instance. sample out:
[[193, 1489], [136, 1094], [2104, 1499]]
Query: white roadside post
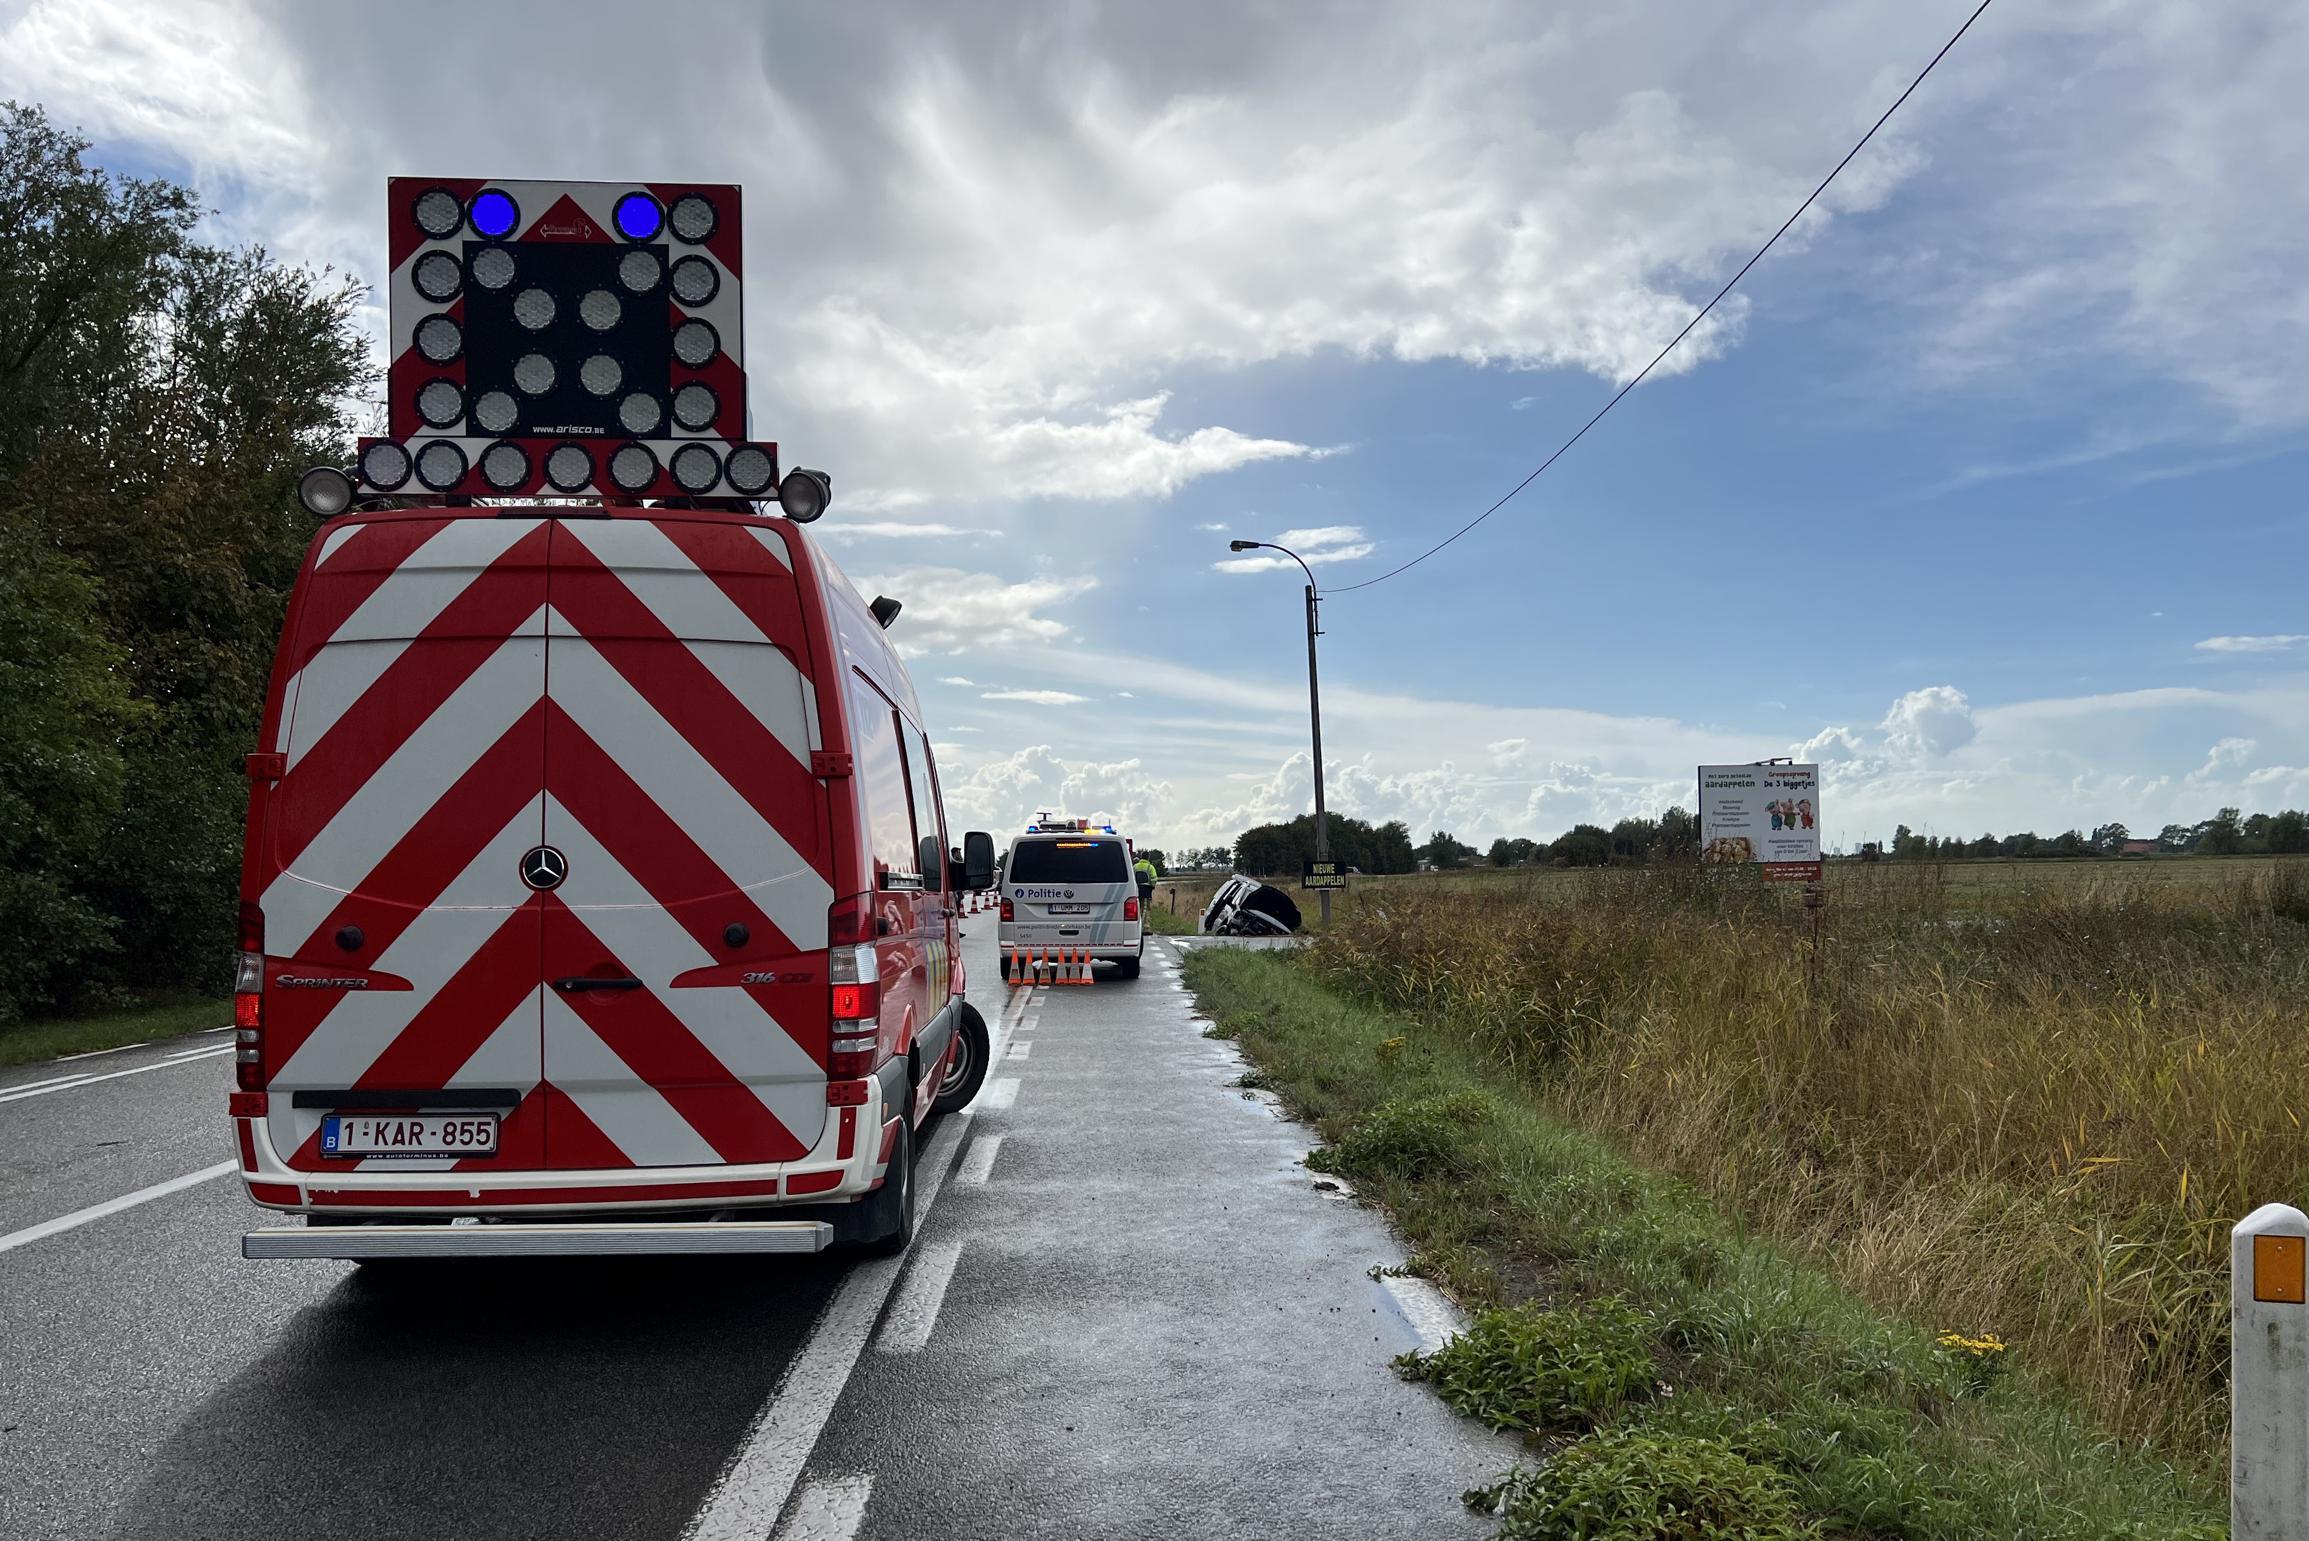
[[2269, 1376]]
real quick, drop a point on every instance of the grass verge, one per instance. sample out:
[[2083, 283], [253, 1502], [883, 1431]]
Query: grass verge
[[25, 1042], [1667, 1360]]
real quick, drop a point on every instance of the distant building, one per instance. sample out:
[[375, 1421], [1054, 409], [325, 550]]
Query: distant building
[[2139, 848]]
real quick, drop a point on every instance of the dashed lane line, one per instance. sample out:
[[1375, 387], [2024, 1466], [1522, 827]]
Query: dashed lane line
[[830, 1509], [746, 1500], [1020, 1050], [978, 1161], [999, 1094], [80, 1217], [913, 1315]]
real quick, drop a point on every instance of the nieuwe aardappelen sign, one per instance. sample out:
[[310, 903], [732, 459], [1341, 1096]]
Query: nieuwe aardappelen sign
[[1766, 814]]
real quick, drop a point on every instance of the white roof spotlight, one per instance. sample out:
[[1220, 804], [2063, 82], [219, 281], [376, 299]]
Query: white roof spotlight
[[325, 492], [804, 494]]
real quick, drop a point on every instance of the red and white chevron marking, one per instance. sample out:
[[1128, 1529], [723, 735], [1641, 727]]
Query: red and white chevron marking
[[628, 691]]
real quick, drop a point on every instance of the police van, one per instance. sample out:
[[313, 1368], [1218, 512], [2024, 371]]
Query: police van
[[1069, 893], [597, 895]]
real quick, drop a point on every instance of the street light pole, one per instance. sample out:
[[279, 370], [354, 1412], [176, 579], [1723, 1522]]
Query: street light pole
[[1314, 704]]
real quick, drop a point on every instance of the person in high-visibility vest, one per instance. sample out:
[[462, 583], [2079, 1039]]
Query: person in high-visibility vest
[[1144, 870]]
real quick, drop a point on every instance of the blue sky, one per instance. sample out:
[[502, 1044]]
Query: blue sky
[[1991, 489]]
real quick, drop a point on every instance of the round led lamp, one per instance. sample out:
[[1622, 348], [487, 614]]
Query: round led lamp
[[494, 213], [438, 276], [439, 339], [441, 465], [639, 217], [696, 342], [640, 414], [695, 407], [695, 280], [599, 309], [750, 469], [438, 212], [693, 218], [504, 466], [385, 466], [440, 403], [569, 468], [493, 267], [696, 467], [640, 270], [495, 412], [633, 468]]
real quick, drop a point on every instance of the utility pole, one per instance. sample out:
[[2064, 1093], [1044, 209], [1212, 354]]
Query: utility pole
[[1314, 702], [1315, 719]]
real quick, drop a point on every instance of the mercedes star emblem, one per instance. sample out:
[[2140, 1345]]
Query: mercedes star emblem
[[544, 868]]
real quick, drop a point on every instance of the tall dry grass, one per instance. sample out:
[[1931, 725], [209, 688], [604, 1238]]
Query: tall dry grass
[[2033, 1112]]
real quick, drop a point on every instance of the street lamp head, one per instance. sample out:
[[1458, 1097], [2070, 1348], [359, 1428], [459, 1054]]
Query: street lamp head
[[1241, 545]]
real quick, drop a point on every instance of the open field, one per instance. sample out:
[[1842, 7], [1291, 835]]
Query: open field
[[2024, 1105]]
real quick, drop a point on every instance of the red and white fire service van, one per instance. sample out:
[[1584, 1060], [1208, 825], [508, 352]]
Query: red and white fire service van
[[596, 897]]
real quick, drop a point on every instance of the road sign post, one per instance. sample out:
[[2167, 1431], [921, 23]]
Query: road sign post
[[2269, 1375]]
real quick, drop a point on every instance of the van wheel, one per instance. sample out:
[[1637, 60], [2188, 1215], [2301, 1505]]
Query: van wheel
[[886, 1217], [968, 1071], [1126, 968]]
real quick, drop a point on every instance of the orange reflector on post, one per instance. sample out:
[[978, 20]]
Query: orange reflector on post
[[2281, 1269]]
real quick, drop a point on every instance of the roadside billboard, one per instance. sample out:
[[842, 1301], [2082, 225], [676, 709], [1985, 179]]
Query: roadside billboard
[[1763, 814]]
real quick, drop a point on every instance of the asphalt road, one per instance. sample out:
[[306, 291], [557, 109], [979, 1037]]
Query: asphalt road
[[1129, 1312]]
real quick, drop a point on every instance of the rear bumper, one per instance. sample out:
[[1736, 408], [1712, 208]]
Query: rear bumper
[[1109, 944], [538, 1240]]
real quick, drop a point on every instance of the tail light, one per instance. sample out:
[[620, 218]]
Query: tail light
[[1008, 913], [249, 1002], [1130, 909], [854, 983]]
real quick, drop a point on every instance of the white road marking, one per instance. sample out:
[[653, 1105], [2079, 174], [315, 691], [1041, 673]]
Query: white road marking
[[70, 1083], [80, 1217], [1426, 1310], [978, 1162], [830, 1509], [1019, 1051], [906, 1330], [753, 1488], [999, 1094], [189, 1053], [120, 1049]]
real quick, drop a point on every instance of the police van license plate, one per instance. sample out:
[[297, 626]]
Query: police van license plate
[[370, 1135], [1067, 909]]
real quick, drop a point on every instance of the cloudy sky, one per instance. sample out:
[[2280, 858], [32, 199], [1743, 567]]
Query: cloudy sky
[[1989, 489]]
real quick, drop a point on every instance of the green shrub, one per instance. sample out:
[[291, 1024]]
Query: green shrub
[[1535, 1369], [1420, 1138], [1632, 1485]]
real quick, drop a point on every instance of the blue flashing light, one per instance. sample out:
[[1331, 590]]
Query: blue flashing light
[[494, 214], [638, 216]]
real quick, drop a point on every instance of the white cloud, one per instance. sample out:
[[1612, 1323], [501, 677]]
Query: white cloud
[[1036, 697], [2281, 643], [2227, 756], [895, 529], [956, 679], [1928, 723], [948, 610], [1004, 793]]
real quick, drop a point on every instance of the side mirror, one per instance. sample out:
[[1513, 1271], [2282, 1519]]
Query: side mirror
[[977, 861]]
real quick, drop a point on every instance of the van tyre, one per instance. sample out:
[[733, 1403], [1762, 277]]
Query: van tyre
[[886, 1216], [968, 1070], [1127, 968]]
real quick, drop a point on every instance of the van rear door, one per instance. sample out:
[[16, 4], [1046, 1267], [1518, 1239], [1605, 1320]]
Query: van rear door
[[686, 1006], [1069, 891], [401, 943]]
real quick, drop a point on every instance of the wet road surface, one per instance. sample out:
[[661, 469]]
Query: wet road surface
[[1128, 1312]]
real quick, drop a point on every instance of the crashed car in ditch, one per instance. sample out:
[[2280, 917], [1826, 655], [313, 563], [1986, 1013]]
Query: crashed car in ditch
[[1247, 907]]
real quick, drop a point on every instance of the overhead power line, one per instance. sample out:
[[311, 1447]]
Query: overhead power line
[[1687, 331]]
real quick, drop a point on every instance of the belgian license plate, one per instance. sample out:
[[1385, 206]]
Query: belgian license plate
[[368, 1136], [1067, 909]]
